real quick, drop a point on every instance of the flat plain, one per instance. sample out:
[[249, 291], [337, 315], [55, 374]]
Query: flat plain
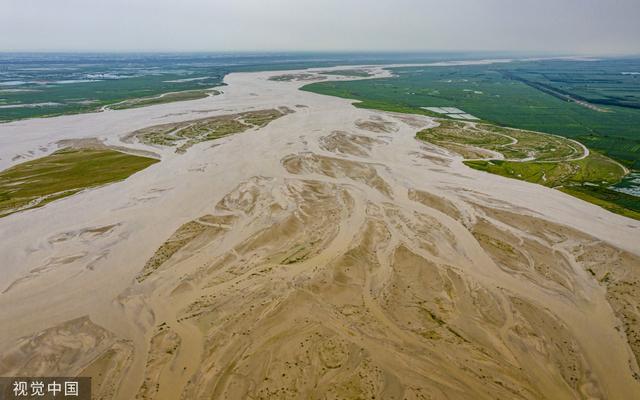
[[66, 172], [319, 251], [509, 95]]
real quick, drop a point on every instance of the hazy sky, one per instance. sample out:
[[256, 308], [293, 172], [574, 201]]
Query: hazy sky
[[560, 26]]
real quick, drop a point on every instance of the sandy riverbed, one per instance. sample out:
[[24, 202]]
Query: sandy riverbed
[[327, 255]]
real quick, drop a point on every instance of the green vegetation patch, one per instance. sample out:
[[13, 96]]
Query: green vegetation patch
[[497, 94], [296, 77], [606, 82], [164, 98], [88, 96], [183, 135], [356, 73], [538, 158], [596, 169], [619, 203], [68, 171], [513, 144]]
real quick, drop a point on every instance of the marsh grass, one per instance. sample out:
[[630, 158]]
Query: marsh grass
[[538, 158], [165, 98], [358, 73], [183, 135], [68, 171]]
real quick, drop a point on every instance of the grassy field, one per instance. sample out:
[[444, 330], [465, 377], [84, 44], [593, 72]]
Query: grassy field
[[165, 98], [183, 135], [359, 73], [71, 98], [607, 82], [595, 169], [588, 179], [303, 76], [619, 203], [513, 144], [66, 172], [538, 158], [489, 93]]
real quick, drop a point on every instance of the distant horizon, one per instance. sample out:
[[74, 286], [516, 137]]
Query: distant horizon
[[504, 53], [577, 27]]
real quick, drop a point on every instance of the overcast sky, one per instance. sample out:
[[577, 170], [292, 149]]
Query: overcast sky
[[558, 26]]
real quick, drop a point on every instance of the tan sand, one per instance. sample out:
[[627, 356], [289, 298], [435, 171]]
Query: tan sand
[[328, 254]]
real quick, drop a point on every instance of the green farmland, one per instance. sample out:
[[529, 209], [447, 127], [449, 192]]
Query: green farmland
[[495, 93]]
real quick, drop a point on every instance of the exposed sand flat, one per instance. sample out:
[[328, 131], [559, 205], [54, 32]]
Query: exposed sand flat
[[328, 254]]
